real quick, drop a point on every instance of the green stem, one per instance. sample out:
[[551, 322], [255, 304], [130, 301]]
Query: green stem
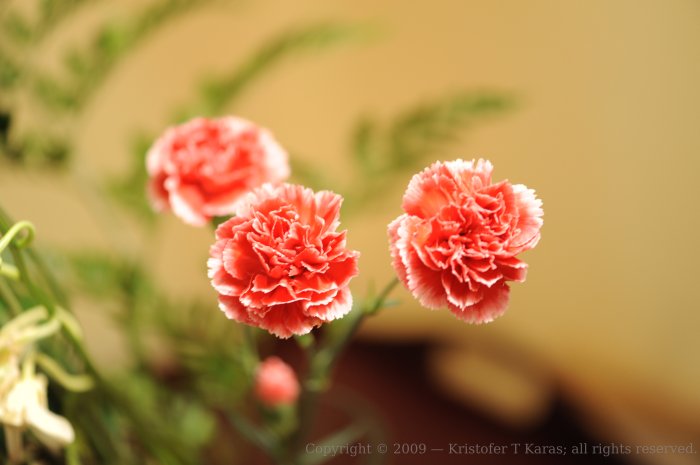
[[9, 298], [72, 455], [14, 231], [23, 243], [46, 275], [321, 363], [9, 271], [26, 279], [250, 358], [75, 383], [381, 298], [251, 342]]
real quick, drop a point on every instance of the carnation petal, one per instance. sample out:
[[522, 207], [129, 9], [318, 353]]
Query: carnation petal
[[492, 305], [424, 283], [238, 259], [186, 203], [223, 205], [396, 262], [328, 208], [460, 294], [224, 283], [512, 269], [287, 320], [425, 196], [232, 308], [336, 308], [157, 193], [530, 221], [342, 271]]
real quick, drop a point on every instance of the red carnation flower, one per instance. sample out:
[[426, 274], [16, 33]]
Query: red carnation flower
[[456, 245], [201, 168], [280, 264]]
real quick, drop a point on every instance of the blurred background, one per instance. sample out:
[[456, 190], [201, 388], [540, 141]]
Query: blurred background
[[595, 104]]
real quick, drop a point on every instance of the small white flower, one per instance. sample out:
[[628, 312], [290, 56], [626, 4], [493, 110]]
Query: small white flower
[[26, 406], [23, 396]]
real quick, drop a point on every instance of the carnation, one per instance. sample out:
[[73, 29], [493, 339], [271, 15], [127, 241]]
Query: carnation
[[201, 168], [457, 243], [280, 264]]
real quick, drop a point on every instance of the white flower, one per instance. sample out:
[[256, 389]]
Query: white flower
[[26, 406], [23, 397]]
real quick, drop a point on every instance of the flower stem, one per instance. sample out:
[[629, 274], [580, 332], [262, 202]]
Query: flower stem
[[9, 298], [75, 383], [322, 360], [15, 231], [249, 355]]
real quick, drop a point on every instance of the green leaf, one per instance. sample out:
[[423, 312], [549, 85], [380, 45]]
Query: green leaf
[[426, 129]]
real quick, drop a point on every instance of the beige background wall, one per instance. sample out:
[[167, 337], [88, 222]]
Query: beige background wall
[[606, 132]]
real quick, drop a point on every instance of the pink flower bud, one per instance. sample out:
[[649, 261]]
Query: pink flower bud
[[276, 383]]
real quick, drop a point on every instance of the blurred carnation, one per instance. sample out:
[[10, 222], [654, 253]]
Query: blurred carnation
[[456, 245], [201, 168], [276, 383], [280, 264]]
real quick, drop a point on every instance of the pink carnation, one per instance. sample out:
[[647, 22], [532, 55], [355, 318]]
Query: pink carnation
[[276, 383], [201, 168], [279, 263], [456, 245]]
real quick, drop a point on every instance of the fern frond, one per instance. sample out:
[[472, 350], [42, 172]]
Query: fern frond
[[113, 41], [221, 92], [415, 134], [422, 131], [50, 14]]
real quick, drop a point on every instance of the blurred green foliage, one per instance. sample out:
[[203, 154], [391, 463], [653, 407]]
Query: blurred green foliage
[[50, 13], [189, 373], [382, 150], [89, 67], [218, 94], [420, 132]]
